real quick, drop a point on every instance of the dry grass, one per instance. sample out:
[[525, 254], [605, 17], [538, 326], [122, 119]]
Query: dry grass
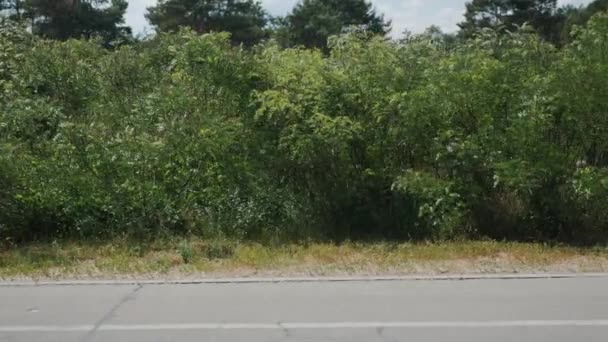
[[171, 259]]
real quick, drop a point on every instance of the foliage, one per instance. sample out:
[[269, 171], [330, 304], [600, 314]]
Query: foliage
[[312, 22], [543, 15], [579, 16], [62, 20], [501, 136], [244, 19]]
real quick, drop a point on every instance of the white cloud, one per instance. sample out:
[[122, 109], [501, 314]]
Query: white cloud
[[135, 15], [448, 18], [279, 7], [417, 15], [573, 2]]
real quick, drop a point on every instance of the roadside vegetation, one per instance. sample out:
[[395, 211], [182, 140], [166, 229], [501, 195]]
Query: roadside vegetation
[[503, 136], [191, 147], [193, 258]]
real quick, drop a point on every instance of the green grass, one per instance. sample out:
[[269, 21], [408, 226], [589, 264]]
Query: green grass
[[194, 258]]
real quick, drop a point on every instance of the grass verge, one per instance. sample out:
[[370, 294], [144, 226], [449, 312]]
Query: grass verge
[[194, 258]]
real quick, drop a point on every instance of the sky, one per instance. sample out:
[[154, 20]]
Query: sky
[[411, 15]]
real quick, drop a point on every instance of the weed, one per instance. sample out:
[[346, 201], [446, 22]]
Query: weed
[[219, 249], [186, 251]]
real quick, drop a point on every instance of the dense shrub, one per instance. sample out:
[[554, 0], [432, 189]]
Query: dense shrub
[[501, 136]]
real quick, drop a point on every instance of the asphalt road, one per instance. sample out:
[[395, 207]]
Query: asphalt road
[[556, 310]]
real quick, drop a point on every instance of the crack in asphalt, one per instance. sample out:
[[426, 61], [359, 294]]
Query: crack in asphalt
[[128, 297], [285, 330], [380, 332]]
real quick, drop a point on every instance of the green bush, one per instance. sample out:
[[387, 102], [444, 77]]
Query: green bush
[[501, 136]]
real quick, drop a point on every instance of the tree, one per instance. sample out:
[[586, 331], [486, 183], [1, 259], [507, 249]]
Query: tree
[[578, 16], [595, 7], [244, 19], [312, 22], [65, 19], [543, 15], [435, 35], [12, 9]]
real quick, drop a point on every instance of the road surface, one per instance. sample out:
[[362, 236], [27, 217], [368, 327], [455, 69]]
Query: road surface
[[556, 310]]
